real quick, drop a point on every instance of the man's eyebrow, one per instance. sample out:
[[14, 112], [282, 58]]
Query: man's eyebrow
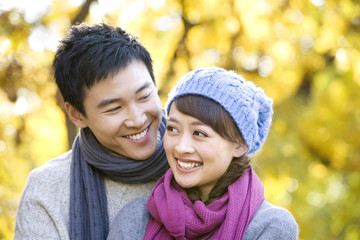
[[145, 85], [105, 102]]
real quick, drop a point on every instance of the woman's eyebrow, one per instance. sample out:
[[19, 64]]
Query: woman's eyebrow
[[194, 123], [171, 119]]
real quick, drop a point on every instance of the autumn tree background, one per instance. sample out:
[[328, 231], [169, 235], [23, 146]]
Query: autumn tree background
[[305, 54]]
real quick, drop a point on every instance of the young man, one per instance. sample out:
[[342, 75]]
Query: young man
[[106, 79]]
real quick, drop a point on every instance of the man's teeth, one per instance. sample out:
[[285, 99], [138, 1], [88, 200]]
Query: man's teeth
[[188, 165], [138, 136]]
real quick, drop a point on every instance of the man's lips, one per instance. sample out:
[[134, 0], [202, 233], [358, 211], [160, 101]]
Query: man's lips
[[138, 136]]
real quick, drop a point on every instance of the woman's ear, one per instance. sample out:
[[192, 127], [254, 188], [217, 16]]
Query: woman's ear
[[240, 149], [75, 116]]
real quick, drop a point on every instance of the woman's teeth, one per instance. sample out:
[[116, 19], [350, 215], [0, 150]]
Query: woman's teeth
[[188, 165], [138, 136]]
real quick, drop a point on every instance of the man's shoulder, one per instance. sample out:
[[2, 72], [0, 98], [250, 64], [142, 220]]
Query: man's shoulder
[[45, 200], [52, 173], [57, 165]]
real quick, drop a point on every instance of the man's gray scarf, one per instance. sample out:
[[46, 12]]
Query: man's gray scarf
[[90, 163]]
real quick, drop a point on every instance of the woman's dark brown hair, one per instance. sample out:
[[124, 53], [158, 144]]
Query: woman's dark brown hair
[[214, 115]]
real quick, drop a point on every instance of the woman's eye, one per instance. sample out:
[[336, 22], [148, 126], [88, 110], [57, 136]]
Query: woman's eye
[[200, 134], [171, 129]]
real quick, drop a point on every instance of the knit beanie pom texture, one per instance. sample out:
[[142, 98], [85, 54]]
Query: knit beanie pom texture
[[246, 103]]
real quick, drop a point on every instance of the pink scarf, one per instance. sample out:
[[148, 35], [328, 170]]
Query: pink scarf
[[174, 216]]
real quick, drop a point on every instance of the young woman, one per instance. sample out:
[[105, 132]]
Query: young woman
[[216, 119]]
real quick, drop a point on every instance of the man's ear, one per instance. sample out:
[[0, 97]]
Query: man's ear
[[75, 116], [240, 149]]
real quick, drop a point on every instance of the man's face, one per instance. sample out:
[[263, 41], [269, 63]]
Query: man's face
[[124, 112]]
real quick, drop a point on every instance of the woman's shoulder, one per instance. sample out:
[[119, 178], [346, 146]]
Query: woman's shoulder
[[131, 221], [272, 222], [134, 208]]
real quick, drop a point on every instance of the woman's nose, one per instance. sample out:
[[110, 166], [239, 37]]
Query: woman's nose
[[184, 145]]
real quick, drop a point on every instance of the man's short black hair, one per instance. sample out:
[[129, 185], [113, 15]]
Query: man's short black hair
[[91, 53]]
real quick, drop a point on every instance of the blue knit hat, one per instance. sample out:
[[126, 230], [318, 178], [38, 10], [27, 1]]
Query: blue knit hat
[[247, 104]]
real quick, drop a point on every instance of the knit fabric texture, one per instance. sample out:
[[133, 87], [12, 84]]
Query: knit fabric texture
[[90, 163], [174, 216], [246, 103]]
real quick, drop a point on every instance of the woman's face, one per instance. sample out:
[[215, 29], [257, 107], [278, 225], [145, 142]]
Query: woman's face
[[198, 156]]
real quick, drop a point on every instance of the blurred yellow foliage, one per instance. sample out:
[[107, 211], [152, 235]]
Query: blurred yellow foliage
[[305, 54]]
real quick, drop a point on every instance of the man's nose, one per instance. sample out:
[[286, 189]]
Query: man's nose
[[136, 117]]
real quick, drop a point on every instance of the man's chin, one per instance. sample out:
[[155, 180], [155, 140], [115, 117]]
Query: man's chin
[[144, 154]]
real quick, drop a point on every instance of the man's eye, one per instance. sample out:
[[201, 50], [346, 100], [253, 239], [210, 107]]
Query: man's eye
[[145, 97], [114, 109]]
